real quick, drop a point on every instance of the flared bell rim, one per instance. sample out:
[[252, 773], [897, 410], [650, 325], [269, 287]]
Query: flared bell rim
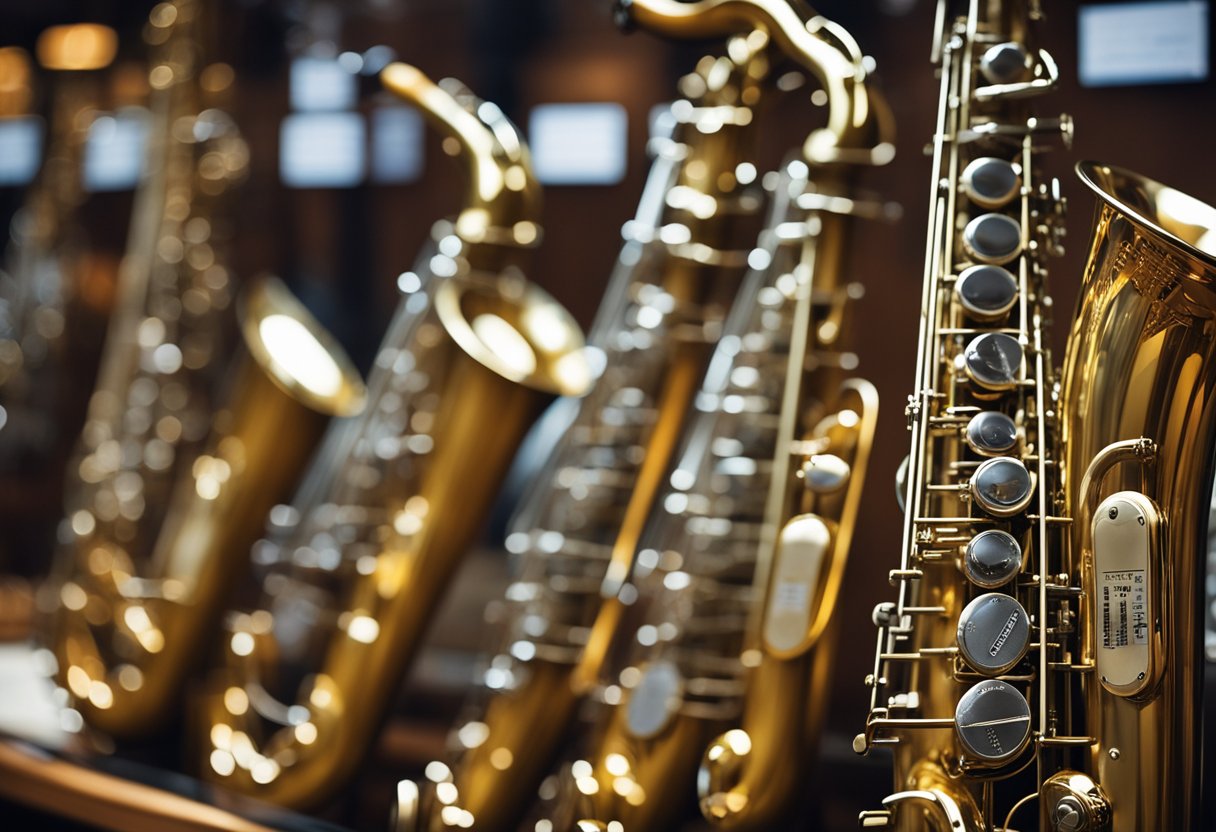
[[535, 341], [1183, 220], [299, 355]]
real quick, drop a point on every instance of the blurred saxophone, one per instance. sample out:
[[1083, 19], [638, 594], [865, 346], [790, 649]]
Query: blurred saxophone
[[47, 323], [765, 491], [168, 481], [354, 568], [578, 530], [1046, 646]]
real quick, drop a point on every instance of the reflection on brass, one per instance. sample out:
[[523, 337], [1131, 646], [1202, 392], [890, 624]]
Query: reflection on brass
[[102, 801], [353, 569], [171, 478], [1101, 713], [588, 529]]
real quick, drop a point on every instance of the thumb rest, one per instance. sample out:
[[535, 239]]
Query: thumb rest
[[1046, 641], [170, 477], [578, 530], [352, 570]]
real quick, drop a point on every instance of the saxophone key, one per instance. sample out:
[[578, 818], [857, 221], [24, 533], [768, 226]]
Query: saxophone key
[[994, 239], [992, 722], [993, 633], [992, 558], [990, 182], [986, 292], [1005, 63], [1002, 486], [994, 361], [991, 433], [825, 473]]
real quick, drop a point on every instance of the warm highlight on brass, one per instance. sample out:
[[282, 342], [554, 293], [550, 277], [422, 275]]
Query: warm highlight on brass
[[353, 569], [170, 478]]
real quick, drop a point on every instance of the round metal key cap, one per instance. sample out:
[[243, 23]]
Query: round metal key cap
[[994, 361], [987, 293], [993, 633], [990, 182], [1005, 63], [993, 238], [991, 433], [1002, 486], [992, 558], [992, 721]]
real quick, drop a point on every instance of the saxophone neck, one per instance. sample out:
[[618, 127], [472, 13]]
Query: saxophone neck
[[503, 203], [857, 119]]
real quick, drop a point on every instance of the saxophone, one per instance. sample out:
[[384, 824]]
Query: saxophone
[[1046, 643], [47, 323], [764, 493], [353, 569], [171, 475], [964, 650], [577, 531]]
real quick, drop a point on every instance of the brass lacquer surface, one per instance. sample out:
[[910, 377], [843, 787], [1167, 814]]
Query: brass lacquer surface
[[1140, 365], [503, 201], [352, 570], [171, 474]]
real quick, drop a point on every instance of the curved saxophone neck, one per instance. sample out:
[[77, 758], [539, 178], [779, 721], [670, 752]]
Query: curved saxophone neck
[[856, 118], [503, 202]]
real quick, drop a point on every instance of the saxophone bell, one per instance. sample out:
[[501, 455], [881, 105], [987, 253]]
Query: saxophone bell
[[1142, 432], [129, 631]]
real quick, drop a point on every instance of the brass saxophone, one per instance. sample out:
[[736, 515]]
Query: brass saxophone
[[353, 569], [964, 652], [764, 493], [170, 477], [1046, 645], [578, 529], [48, 323]]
